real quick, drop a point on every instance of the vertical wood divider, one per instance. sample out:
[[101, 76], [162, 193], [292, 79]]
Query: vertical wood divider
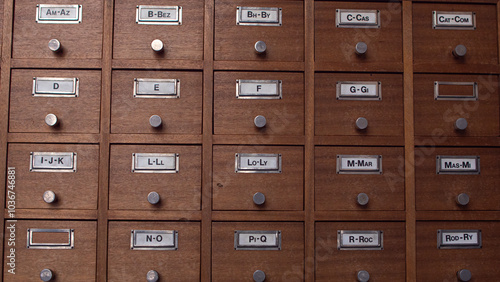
[[411, 260], [309, 141], [102, 215], [4, 106], [206, 189]]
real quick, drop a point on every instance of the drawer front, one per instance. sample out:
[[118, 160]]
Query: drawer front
[[286, 264], [36, 95], [182, 38], [436, 45], [434, 264], [180, 115], [126, 264], [179, 190], [333, 264], [81, 40], [343, 101], [70, 190], [445, 115], [339, 44], [457, 178], [236, 42], [236, 114], [65, 263], [343, 180], [253, 189]]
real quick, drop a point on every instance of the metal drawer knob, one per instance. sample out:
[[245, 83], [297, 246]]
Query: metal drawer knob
[[363, 199], [461, 124], [49, 197], [152, 276], [46, 274], [259, 276], [464, 275], [459, 51], [54, 45], [260, 47], [51, 120], [259, 199], [260, 121], [361, 123], [363, 276], [462, 199], [361, 48], [157, 45], [153, 198], [155, 121]]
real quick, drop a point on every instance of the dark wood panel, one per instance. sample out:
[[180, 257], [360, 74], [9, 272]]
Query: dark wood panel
[[74, 114], [67, 63], [335, 191], [359, 215], [154, 215], [180, 42], [236, 116], [236, 42], [125, 264], [459, 215], [338, 117], [360, 140], [156, 64], [150, 138], [257, 216], [52, 138], [435, 264], [229, 264], [259, 65], [179, 115], [53, 214], [257, 140], [234, 191], [178, 191], [337, 45], [382, 265]]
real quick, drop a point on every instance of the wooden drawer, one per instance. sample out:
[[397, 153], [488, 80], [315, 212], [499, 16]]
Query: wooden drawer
[[183, 41], [440, 190], [439, 117], [129, 190], [126, 264], [77, 263], [434, 264], [236, 42], [77, 40], [236, 115], [76, 113], [282, 188], [333, 264], [180, 115], [343, 187], [433, 47], [342, 99], [337, 44], [73, 190], [285, 264]]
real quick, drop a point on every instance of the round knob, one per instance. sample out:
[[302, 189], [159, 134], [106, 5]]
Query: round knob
[[361, 123], [46, 274], [461, 124], [363, 276], [462, 199], [260, 121], [361, 48], [459, 51], [464, 275], [363, 199], [152, 276], [259, 276], [54, 45], [259, 198], [153, 198], [155, 121], [49, 197], [157, 45], [260, 47], [51, 120]]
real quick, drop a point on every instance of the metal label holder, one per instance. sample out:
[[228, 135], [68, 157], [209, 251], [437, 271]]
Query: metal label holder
[[338, 20], [135, 246], [379, 246], [176, 94], [240, 21], [359, 171], [176, 21], [239, 169], [359, 97], [437, 25], [41, 93], [75, 20], [276, 247], [441, 170], [473, 97], [72, 155], [240, 95], [50, 246], [142, 170], [477, 245]]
